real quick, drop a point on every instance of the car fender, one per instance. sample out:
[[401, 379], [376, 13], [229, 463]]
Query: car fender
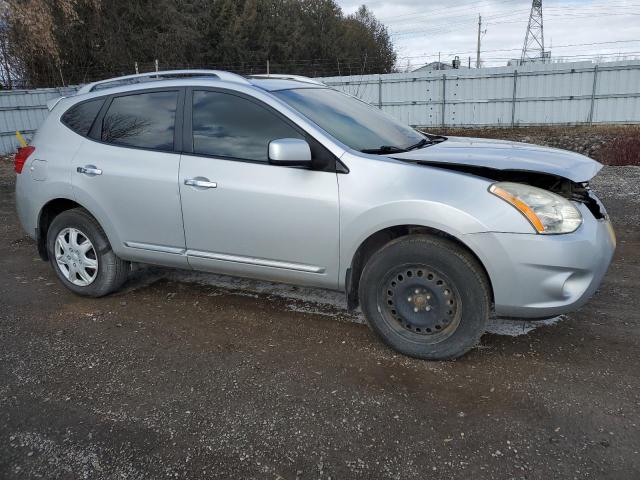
[[381, 193], [441, 217]]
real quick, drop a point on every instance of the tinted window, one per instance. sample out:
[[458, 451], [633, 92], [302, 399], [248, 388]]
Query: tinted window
[[353, 122], [143, 120], [230, 126], [80, 117]]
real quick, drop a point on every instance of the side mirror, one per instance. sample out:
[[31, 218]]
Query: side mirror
[[289, 152]]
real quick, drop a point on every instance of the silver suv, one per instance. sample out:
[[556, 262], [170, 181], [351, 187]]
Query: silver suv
[[283, 179]]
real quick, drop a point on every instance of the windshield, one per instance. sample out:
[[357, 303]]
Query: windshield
[[353, 122]]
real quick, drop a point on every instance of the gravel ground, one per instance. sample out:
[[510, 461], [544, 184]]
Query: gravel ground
[[184, 375]]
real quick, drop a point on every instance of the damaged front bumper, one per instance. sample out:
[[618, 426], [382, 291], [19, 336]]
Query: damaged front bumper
[[540, 276]]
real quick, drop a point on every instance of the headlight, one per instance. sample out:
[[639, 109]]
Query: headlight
[[547, 212]]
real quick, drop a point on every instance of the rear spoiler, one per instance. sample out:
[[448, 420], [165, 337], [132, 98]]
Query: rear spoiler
[[51, 104]]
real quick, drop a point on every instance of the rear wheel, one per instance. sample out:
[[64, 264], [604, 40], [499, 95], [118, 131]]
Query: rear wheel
[[81, 255], [426, 297]]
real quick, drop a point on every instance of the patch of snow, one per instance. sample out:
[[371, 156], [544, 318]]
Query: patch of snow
[[515, 328], [326, 302], [311, 295]]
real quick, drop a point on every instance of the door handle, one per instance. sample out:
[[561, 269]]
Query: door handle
[[89, 170], [201, 183]]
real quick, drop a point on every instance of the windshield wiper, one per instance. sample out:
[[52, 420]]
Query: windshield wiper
[[420, 144], [384, 149], [427, 141], [391, 149]]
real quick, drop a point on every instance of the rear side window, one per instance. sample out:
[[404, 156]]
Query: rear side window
[[80, 117], [230, 126], [145, 120]]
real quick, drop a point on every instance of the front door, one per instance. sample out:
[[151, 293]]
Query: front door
[[243, 216]]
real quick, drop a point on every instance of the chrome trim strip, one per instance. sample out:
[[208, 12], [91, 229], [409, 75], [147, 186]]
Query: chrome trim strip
[[262, 262], [155, 248]]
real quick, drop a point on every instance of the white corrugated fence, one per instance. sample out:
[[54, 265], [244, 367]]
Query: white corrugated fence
[[535, 94], [24, 110]]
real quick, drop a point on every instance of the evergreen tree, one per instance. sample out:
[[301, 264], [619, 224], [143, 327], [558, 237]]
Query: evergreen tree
[[49, 42]]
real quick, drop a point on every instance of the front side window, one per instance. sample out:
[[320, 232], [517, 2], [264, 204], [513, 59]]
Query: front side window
[[145, 120], [226, 125], [81, 116], [351, 121]]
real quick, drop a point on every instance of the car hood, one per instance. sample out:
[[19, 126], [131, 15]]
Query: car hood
[[503, 155]]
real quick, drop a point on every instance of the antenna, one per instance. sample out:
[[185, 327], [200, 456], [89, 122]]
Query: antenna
[[533, 48]]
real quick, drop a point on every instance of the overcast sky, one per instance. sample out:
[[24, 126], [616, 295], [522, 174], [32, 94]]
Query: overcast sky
[[422, 28]]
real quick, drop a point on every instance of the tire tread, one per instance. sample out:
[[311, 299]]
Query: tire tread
[[113, 271], [433, 242]]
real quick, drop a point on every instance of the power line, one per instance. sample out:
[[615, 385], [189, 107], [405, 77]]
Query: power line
[[448, 27], [444, 13], [503, 17], [429, 13], [452, 54]]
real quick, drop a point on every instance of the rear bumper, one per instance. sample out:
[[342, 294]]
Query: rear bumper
[[24, 206], [538, 276]]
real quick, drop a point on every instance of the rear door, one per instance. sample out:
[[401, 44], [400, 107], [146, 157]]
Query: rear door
[[127, 172], [251, 218]]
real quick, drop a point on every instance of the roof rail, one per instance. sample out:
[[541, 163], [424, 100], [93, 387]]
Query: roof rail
[[51, 104], [298, 78], [162, 75]]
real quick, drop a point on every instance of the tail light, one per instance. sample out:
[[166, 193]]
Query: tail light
[[21, 157]]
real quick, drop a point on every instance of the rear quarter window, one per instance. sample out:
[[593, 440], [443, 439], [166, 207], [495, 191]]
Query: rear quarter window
[[81, 116], [143, 120]]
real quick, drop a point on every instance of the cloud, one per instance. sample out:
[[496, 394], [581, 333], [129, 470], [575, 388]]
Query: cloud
[[420, 30]]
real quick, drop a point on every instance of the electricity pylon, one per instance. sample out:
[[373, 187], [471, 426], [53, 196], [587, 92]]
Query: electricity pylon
[[533, 48]]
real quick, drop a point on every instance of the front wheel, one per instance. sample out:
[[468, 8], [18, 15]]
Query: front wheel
[[426, 297], [81, 255]]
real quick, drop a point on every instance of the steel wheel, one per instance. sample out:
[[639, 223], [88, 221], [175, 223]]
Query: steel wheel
[[425, 296], [76, 257], [418, 301]]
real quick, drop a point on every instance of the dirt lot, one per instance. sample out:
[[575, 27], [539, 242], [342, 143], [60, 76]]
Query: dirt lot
[[196, 376]]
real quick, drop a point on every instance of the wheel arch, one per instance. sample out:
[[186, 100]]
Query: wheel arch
[[375, 241], [51, 210]]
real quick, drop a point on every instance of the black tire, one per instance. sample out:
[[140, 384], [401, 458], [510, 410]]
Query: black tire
[[426, 297], [111, 272]]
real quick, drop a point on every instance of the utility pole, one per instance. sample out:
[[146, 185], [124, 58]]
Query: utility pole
[[479, 31]]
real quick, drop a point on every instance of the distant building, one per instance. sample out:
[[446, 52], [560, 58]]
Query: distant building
[[545, 58], [433, 66]]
